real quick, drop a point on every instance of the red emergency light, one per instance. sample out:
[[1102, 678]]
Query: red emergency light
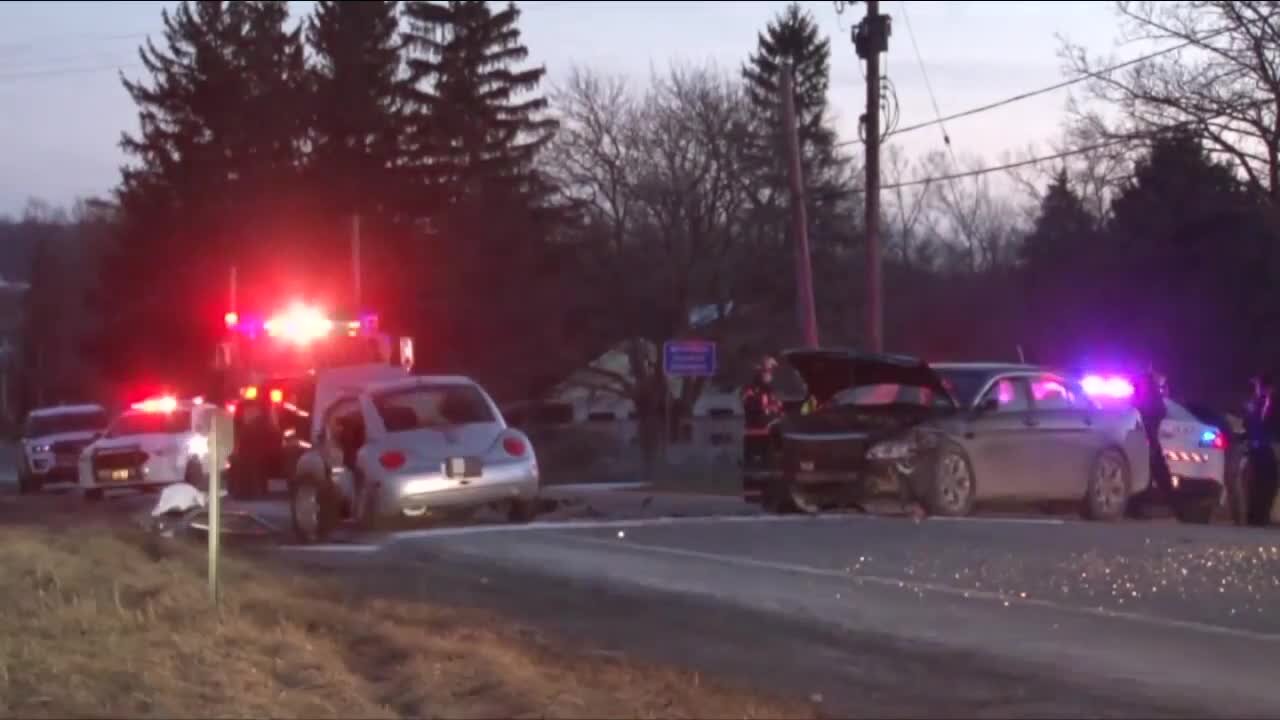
[[299, 324], [232, 320], [277, 396], [165, 404]]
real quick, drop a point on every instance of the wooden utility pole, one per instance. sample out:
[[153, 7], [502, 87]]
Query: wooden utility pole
[[870, 38], [799, 218]]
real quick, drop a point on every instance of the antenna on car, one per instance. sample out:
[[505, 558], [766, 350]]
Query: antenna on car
[[1021, 358]]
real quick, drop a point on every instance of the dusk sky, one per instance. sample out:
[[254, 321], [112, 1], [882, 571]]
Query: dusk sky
[[62, 108]]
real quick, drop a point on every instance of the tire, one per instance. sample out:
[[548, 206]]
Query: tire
[[952, 490], [313, 510], [810, 504], [1199, 512], [521, 511], [1110, 481], [194, 476], [28, 484], [775, 497], [93, 496]]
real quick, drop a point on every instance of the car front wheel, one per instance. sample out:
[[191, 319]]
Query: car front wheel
[[953, 490], [313, 510]]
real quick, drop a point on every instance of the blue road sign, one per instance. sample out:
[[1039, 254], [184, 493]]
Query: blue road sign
[[689, 358]]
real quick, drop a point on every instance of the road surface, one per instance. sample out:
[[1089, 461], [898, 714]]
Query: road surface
[[869, 616], [984, 616]]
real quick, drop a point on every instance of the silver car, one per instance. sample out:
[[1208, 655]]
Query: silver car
[[952, 435], [409, 447]]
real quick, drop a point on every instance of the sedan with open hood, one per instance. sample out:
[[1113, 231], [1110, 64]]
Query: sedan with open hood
[[948, 436]]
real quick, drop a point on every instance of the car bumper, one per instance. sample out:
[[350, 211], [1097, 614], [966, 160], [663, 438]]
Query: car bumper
[[419, 492], [156, 472]]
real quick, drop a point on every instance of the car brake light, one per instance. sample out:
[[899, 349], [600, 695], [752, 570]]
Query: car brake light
[[277, 396], [391, 459], [513, 446], [251, 393]]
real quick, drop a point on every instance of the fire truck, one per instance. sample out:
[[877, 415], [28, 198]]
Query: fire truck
[[266, 368]]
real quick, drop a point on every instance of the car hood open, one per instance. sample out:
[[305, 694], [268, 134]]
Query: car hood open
[[827, 372]]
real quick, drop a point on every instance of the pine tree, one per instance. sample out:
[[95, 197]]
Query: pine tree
[[793, 37], [357, 100], [479, 120]]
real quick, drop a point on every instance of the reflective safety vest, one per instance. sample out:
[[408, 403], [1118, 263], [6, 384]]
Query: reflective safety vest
[[810, 404]]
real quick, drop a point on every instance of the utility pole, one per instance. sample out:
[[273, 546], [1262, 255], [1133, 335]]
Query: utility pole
[[870, 38], [799, 218]]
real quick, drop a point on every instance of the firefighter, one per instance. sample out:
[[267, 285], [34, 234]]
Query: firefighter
[[760, 407], [1260, 431], [1149, 399]]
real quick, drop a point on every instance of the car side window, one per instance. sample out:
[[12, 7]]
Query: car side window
[[1010, 395], [1052, 393], [333, 420]]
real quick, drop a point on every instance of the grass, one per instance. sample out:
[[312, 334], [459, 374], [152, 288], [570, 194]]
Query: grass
[[105, 622]]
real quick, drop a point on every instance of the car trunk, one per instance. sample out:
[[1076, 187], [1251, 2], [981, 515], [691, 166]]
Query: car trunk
[[429, 447]]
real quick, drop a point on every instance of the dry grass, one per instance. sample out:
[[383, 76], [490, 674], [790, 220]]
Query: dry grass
[[102, 622]]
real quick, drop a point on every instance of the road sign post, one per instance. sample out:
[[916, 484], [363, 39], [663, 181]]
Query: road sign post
[[215, 505]]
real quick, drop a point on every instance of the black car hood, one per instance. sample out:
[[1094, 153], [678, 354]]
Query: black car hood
[[827, 372]]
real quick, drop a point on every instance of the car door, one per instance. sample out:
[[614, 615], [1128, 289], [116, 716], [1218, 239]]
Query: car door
[[995, 437], [1064, 440], [331, 438]]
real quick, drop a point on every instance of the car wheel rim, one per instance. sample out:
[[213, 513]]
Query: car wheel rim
[[307, 510], [805, 503], [956, 483], [1108, 483]]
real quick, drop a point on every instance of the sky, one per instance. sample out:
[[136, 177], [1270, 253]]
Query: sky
[[62, 107]]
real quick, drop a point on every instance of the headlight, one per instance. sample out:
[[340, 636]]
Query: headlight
[[892, 450], [198, 445], [41, 448]]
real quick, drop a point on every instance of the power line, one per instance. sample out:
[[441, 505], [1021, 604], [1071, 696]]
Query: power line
[[67, 71], [1056, 86], [1010, 166]]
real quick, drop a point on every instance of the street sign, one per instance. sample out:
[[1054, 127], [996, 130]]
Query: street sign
[[689, 358]]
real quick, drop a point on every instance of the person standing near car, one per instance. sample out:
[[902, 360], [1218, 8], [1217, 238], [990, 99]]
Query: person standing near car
[[1260, 432], [760, 407], [1149, 400]]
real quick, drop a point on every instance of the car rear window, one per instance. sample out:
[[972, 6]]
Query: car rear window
[[42, 425], [432, 406]]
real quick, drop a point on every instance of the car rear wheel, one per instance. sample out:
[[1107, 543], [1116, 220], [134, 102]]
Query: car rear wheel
[[1108, 492], [954, 490], [521, 511], [313, 510]]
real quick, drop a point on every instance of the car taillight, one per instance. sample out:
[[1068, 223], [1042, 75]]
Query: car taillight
[[392, 459], [513, 446], [251, 393], [277, 396]]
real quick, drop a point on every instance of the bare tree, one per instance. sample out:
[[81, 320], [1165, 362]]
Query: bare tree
[[656, 180], [971, 215], [1094, 175], [907, 209], [1221, 78]]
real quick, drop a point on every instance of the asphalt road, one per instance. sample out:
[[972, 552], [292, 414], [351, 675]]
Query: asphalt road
[[871, 616], [1076, 619]]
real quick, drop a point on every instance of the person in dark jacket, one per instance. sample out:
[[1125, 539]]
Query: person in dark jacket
[[1149, 394], [760, 407], [1260, 432]]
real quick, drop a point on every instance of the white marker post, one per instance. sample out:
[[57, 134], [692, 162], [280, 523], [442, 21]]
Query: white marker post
[[215, 506]]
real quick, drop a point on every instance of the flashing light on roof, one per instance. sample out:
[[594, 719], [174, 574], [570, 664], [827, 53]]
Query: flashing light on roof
[[299, 324], [277, 396], [1112, 387], [166, 404], [250, 393], [232, 320]]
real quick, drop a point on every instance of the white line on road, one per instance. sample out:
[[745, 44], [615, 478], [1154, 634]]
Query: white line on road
[[1013, 520], [596, 487], [930, 587], [606, 524], [335, 547]]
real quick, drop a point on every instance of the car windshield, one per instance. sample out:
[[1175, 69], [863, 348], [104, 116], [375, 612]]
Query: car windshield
[[69, 422], [432, 406], [145, 423], [964, 383], [889, 394]]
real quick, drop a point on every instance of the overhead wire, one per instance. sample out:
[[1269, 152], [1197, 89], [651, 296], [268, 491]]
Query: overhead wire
[[1096, 74]]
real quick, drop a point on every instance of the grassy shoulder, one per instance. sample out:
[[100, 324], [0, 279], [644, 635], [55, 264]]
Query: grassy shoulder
[[107, 622]]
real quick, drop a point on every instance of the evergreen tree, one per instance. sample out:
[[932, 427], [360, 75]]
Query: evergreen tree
[[479, 120], [357, 101], [793, 37]]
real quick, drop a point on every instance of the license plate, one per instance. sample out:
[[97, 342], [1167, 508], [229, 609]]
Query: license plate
[[463, 467], [114, 475]]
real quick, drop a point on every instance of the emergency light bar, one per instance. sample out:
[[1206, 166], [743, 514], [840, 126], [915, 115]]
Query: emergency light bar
[[166, 404], [299, 324], [1112, 386]]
